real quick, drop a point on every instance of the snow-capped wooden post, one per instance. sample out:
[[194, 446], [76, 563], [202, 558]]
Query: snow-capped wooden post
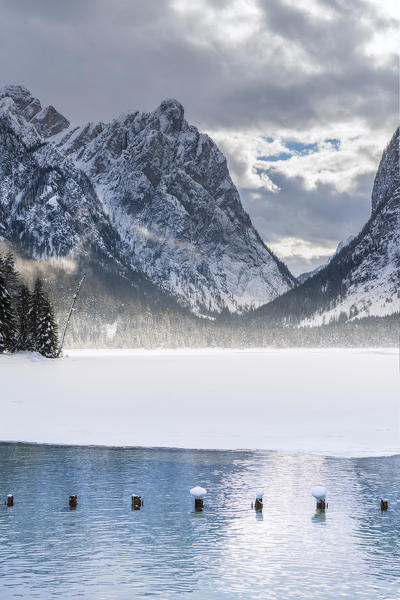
[[10, 500], [73, 501], [136, 502], [384, 504], [319, 493], [198, 494], [258, 503]]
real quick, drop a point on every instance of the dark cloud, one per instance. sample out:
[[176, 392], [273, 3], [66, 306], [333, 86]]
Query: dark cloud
[[95, 59], [321, 215]]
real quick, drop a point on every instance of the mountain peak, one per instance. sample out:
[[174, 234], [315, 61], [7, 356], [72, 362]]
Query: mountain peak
[[153, 194], [47, 121], [19, 93], [170, 114], [23, 99]]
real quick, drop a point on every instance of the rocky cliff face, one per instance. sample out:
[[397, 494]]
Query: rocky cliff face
[[147, 192], [363, 278], [387, 179]]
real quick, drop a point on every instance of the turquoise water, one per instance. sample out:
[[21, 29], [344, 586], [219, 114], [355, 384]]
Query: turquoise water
[[104, 550]]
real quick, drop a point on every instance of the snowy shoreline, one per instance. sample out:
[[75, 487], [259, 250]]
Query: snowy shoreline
[[290, 451], [334, 402]]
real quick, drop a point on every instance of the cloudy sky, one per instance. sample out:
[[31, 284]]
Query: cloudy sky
[[301, 95]]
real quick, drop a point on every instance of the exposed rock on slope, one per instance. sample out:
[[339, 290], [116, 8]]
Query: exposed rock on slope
[[147, 191]]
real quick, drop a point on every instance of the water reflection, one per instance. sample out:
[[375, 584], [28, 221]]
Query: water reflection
[[319, 517], [104, 549]]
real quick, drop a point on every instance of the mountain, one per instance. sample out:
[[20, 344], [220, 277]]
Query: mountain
[[145, 196], [363, 278], [304, 276]]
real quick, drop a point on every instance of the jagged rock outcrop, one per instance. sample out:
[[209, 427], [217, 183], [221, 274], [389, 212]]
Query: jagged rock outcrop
[[147, 191], [363, 278], [387, 179]]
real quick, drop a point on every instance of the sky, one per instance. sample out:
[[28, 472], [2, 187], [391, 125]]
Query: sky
[[301, 96]]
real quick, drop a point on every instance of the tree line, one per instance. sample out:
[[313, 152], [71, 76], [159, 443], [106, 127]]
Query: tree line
[[27, 321]]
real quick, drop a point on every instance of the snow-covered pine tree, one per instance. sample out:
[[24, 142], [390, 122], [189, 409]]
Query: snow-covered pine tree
[[7, 318], [43, 324], [11, 275], [23, 306]]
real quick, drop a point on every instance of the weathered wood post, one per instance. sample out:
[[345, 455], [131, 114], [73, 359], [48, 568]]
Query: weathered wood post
[[384, 504], [73, 501], [10, 500], [198, 504], [319, 493], [136, 502], [258, 503], [198, 493]]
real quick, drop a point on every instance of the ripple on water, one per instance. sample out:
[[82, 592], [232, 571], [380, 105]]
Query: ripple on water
[[103, 549]]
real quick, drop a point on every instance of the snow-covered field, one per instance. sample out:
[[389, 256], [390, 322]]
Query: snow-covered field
[[332, 401]]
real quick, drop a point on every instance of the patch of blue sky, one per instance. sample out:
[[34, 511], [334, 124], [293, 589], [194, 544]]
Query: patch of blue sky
[[300, 147], [296, 148], [335, 142], [276, 157]]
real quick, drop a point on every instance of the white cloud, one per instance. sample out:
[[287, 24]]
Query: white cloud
[[290, 247], [340, 166]]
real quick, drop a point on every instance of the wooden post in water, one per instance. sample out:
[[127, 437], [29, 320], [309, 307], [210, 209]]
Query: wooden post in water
[[136, 502], [319, 493], [198, 504], [258, 503], [384, 504], [73, 501], [10, 500], [198, 494]]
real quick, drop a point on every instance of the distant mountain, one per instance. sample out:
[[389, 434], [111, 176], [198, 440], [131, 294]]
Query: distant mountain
[[304, 276], [146, 197], [363, 278]]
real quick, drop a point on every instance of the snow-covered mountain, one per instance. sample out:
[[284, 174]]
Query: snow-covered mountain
[[146, 194], [363, 278], [304, 276]]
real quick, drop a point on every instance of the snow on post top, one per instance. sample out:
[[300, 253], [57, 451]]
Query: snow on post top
[[198, 492], [319, 492]]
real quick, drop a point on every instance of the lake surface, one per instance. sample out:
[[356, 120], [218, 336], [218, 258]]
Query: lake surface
[[104, 550]]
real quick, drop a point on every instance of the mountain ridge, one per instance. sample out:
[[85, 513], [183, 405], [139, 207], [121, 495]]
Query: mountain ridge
[[363, 278], [146, 191]]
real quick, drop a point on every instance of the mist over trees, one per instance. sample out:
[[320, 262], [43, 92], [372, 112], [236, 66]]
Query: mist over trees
[[113, 313], [27, 321]]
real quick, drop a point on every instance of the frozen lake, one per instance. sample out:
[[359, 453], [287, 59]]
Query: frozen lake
[[105, 550], [335, 402]]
